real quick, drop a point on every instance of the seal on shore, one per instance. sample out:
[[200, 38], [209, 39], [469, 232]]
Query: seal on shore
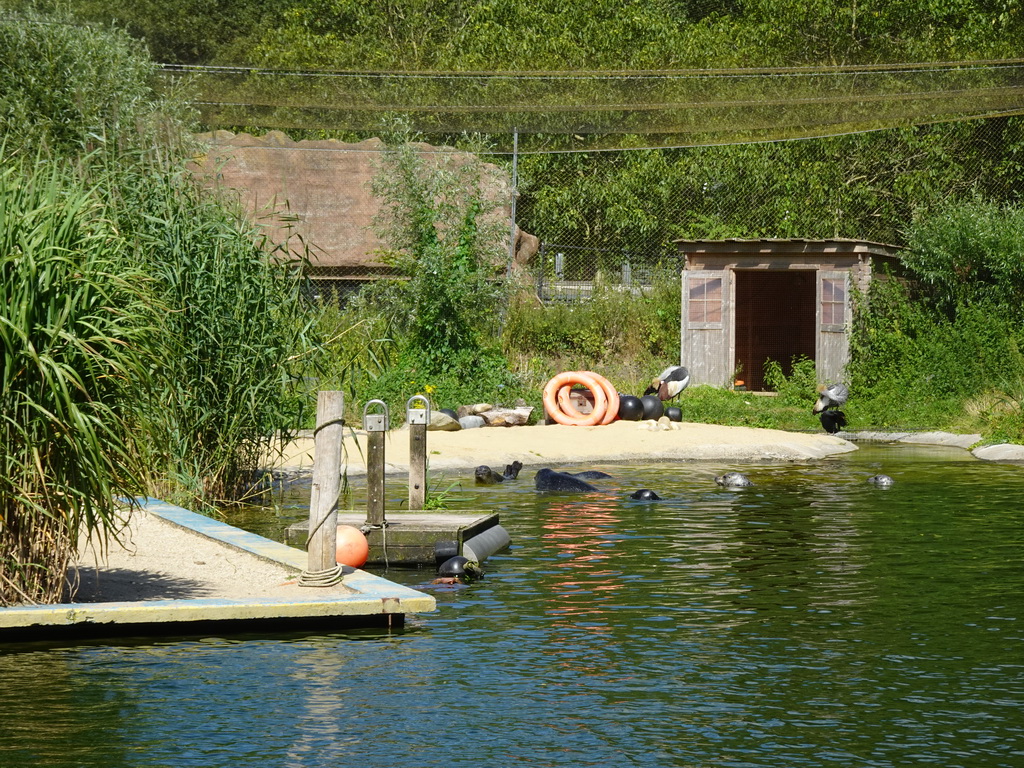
[[733, 480], [550, 480], [487, 476]]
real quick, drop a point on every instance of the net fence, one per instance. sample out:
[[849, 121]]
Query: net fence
[[611, 109], [615, 215]]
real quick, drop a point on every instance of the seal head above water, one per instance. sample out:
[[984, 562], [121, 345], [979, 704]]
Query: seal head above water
[[733, 480], [487, 476], [645, 494]]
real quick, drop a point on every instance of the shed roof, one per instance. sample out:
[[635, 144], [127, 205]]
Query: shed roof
[[790, 245]]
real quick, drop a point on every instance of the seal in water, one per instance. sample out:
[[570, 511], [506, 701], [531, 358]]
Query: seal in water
[[883, 481], [733, 480], [550, 480], [645, 494], [487, 476], [589, 474]]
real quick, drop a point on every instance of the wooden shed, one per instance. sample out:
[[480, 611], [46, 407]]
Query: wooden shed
[[745, 302]]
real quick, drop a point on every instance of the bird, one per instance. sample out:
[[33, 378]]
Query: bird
[[669, 382], [831, 397], [832, 421], [829, 400]]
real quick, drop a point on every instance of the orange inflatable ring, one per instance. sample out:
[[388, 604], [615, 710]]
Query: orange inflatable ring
[[561, 410], [612, 412]]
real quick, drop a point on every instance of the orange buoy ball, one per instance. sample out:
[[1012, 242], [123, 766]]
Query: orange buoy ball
[[352, 547]]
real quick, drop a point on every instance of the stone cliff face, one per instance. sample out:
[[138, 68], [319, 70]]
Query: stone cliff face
[[323, 190]]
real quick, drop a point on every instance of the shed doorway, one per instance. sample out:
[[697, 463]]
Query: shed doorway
[[775, 320]]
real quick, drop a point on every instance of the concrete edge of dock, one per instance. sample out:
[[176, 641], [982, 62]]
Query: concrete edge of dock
[[368, 600]]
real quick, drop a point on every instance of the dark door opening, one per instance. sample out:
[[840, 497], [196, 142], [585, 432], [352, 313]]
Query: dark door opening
[[775, 320]]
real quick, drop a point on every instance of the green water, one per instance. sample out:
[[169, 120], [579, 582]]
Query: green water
[[811, 620]]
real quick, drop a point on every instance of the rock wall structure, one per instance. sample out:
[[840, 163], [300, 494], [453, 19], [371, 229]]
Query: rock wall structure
[[323, 189]]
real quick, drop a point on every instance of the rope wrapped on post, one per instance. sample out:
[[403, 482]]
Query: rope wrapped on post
[[326, 578]]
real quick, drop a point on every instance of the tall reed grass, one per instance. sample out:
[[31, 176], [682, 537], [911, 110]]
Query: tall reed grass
[[235, 342], [72, 315]]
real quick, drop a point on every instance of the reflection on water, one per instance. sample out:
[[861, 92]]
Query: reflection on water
[[811, 619]]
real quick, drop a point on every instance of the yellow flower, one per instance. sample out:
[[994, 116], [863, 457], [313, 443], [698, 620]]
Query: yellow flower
[[429, 388]]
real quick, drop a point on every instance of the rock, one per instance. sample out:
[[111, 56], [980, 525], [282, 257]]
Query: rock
[[480, 408], [940, 438], [471, 422], [1000, 452], [442, 422], [507, 417]]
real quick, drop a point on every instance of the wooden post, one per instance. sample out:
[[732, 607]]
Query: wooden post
[[323, 500], [417, 419], [375, 478], [417, 466], [376, 426]]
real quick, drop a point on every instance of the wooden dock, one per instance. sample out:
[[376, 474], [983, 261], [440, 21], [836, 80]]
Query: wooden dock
[[421, 537]]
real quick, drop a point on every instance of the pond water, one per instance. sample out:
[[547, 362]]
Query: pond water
[[811, 620]]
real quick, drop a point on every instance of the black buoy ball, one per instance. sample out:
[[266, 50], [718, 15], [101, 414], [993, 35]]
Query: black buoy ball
[[653, 407], [674, 413], [630, 408]]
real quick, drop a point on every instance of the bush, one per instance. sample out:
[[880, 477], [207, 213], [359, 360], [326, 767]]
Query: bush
[[612, 326], [924, 348], [970, 254]]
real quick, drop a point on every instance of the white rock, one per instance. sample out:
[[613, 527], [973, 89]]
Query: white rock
[[442, 422]]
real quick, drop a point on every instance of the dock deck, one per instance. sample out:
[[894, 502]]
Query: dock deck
[[422, 537], [362, 599]]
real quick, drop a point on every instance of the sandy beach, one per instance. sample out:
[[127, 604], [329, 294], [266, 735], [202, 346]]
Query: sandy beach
[[554, 444]]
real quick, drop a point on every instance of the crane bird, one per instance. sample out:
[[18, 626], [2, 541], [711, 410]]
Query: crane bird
[[669, 382], [830, 398]]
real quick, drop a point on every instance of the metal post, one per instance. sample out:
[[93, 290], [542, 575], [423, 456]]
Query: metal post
[[514, 195], [543, 262], [376, 426], [323, 500], [417, 419]]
